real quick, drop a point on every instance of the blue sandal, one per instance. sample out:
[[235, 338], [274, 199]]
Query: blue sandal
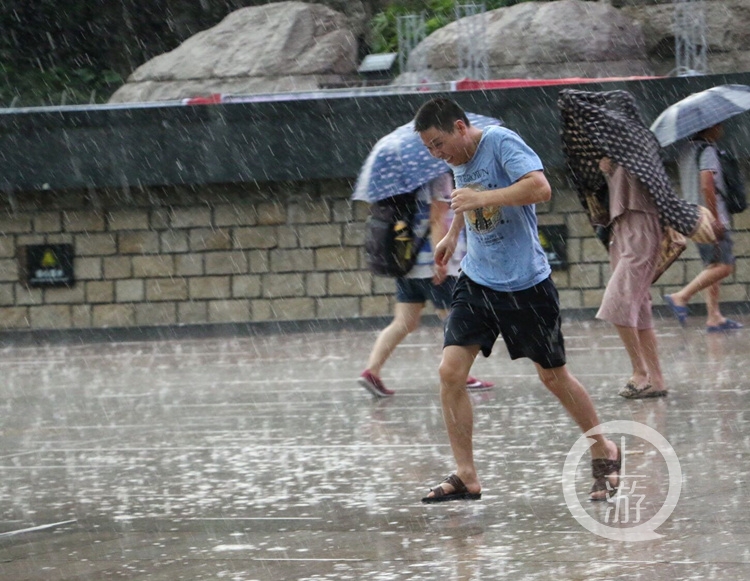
[[728, 325], [680, 312]]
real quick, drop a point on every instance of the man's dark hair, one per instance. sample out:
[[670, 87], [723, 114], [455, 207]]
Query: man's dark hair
[[441, 114]]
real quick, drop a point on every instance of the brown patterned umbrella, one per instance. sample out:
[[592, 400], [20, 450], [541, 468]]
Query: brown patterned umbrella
[[608, 124]]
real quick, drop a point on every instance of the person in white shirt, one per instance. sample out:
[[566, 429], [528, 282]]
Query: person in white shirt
[[425, 281]]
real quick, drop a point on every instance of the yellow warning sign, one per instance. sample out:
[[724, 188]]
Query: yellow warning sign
[[553, 241], [49, 260], [49, 265]]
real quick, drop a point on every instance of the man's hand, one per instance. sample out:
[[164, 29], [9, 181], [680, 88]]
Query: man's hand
[[444, 250], [466, 199], [532, 188], [440, 273], [708, 189]]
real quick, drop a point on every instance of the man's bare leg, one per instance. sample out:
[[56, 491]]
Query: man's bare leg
[[714, 318], [575, 399], [458, 413], [709, 276]]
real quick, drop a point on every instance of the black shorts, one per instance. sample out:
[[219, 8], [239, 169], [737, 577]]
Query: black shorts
[[420, 290], [529, 321]]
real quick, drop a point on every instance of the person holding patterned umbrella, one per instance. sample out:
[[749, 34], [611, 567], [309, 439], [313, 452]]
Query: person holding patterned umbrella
[[614, 161]]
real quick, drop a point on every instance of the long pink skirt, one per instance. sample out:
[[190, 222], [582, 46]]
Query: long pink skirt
[[633, 256]]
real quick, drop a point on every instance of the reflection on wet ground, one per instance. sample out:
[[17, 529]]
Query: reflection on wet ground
[[259, 458]]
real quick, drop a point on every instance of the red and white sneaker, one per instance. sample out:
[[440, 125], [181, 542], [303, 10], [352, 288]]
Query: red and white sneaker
[[374, 385], [474, 384]]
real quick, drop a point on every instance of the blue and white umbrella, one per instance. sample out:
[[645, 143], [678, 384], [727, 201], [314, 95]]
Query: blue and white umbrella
[[400, 163], [700, 111]]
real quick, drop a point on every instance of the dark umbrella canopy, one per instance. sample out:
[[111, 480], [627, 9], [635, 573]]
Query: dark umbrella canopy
[[608, 124], [400, 163]]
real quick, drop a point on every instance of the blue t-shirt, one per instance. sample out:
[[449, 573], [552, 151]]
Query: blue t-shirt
[[504, 252]]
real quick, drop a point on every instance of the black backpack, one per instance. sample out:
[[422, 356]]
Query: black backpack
[[391, 246], [735, 196]]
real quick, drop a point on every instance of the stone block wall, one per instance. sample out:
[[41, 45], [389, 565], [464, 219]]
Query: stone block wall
[[248, 252]]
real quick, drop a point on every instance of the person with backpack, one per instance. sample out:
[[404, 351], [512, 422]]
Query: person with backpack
[[425, 281], [702, 182]]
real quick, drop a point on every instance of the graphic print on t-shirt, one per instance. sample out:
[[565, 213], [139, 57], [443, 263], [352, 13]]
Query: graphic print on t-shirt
[[483, 219]]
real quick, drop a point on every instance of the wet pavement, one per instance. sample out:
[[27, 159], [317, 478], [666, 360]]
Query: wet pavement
[[259, 458]]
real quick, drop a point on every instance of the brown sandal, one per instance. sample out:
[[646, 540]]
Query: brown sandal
[[631, 391], [459, 491], [602, 468]]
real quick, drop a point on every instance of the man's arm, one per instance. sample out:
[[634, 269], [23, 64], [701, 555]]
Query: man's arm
[[447, 246], [533, 188], [438, 230], [708, 189]]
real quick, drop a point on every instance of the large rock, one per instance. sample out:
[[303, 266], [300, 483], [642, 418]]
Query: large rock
[[357, 13], [567, 38], [283, 46], [727, 34], [293, 46]]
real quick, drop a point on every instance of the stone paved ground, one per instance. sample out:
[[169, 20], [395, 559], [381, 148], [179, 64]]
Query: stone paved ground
[[259, 458]]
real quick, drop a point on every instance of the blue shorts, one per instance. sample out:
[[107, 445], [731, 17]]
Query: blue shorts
[[421, 290], [529, 321], [720, 253]]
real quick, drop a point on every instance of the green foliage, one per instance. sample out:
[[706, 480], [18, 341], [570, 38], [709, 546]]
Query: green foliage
[[55, 85], [438, 13], [53, 53], [79, 51]]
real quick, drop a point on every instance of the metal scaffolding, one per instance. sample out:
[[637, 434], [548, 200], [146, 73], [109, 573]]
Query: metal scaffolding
[[471, 45], [411, 31], [690, 38]]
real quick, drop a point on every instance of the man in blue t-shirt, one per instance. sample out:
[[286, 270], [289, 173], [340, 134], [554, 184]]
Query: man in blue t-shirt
[[505, 286]]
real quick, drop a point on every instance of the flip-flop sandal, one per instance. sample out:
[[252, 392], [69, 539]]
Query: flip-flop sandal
[[459, 491], [680, 312], [728, 325], [601, 468], [631, 391]]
